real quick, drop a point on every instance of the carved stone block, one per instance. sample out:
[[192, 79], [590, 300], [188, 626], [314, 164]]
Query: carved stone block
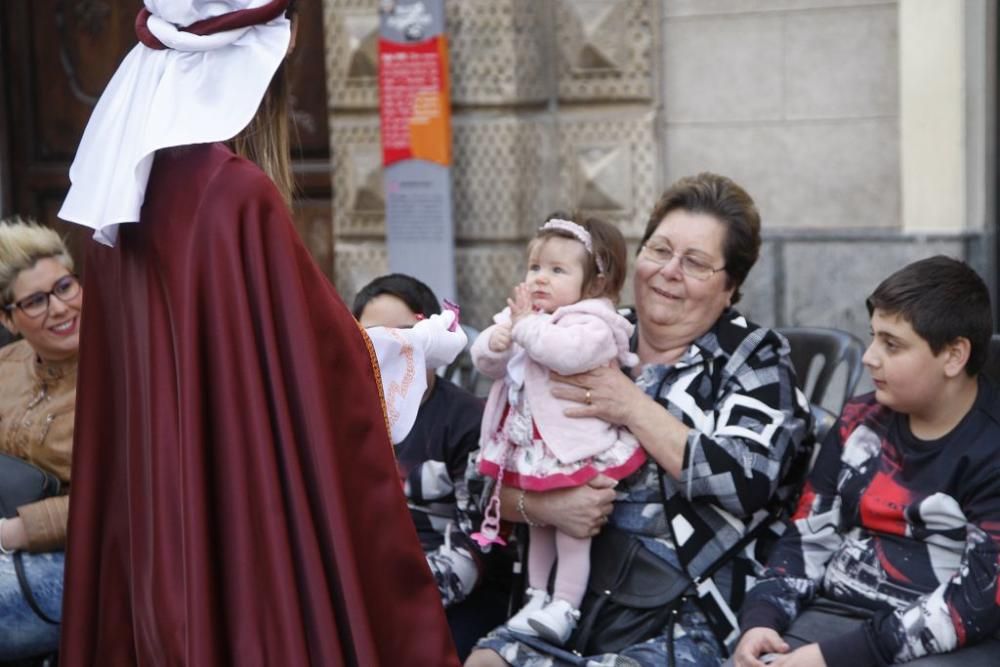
[[358, 191], [608, 167], [605, 49], [352, 53], [498, 175], [485, 275], [358, 263], [497, 51]]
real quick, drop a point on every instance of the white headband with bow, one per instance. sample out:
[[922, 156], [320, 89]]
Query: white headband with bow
[[581, 235]]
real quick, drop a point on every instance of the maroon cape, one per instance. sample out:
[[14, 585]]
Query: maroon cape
[[235, 498]]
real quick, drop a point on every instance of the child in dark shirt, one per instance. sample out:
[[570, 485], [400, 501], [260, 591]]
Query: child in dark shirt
[[433, 456], [432, 460], [894, 552]]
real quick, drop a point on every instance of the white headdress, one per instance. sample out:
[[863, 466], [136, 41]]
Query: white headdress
[[197, 76]]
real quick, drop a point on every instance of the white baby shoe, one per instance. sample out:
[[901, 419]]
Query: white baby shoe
[[555, 622], [536, 599]]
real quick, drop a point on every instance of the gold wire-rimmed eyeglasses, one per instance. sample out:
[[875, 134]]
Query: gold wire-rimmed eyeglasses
[[661, 253]]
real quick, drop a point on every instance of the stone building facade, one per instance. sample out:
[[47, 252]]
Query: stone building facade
[[863, 128]]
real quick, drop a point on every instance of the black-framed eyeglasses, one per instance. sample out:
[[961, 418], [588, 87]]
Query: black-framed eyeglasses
[[35, 305], [661, 253]]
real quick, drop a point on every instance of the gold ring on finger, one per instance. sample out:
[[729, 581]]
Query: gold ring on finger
[[587, 397]]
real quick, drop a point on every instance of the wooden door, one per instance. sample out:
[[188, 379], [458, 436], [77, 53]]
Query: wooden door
[[56, 56], [311, 136]]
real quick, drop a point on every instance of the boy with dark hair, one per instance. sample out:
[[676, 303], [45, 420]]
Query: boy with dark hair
[[894, 552], [432, 460], [406, 291]]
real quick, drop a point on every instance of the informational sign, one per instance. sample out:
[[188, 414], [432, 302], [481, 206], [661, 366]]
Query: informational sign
[[415, 110]]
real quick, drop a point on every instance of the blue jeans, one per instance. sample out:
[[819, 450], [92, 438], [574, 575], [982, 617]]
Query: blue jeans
[[24, 634]]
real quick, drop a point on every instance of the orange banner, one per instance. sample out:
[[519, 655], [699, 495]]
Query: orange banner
[[414, 102]]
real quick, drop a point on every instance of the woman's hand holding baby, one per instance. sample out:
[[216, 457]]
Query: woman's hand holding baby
[[605, 393]]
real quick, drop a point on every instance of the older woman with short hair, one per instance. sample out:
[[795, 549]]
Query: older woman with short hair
[[41, 299], [713, 402]]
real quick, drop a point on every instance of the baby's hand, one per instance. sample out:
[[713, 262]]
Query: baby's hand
[[501, 338], [520, 303]]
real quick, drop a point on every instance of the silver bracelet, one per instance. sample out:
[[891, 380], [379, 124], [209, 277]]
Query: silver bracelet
[[524, 513], [4, 550]]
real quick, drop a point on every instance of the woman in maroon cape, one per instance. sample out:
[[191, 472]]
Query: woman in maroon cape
[[235, 499]]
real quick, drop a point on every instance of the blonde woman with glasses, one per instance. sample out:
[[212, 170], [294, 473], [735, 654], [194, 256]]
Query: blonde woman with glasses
[[41, 301]]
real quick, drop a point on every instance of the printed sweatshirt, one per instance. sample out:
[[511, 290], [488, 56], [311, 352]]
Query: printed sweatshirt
[[907, 528]]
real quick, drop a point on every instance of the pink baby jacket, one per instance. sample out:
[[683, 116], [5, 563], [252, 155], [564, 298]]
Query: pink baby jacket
[[575, 338]]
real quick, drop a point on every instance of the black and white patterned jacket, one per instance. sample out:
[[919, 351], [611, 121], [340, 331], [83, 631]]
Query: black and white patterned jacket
[[907, 528], [744, 459], [735, 387]]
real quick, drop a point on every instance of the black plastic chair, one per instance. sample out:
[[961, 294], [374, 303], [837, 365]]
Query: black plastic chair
[[992, 367], [462, 372], [822, 422], [830, 348]]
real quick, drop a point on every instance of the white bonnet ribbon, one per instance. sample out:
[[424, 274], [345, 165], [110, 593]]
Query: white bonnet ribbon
[[179, 40], [581, 235]]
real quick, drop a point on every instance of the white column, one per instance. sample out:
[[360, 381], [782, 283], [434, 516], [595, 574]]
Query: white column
[[932, 115]]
